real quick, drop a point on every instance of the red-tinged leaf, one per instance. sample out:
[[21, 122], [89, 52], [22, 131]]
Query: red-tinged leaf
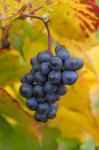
[[93, 5]]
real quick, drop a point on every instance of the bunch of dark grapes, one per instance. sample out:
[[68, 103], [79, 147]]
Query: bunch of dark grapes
[[45, 83]]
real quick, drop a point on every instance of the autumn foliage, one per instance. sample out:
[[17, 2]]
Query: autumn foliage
[[74, 24]]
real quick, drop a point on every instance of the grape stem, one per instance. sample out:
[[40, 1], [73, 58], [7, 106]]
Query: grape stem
[[46, 23]]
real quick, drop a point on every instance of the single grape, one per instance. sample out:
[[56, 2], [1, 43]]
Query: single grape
[[38, 90], [26, 90], [33, 60], [55, 77], [51, 98], [69, 77], [40, 117], [61, 89], [73, 64], [44, 56], [5, 44], [44, 68], [50, 88], [30, 78], [60, 48], [39, 78], [56, 63], [63, 55], [23, 79], [32, 103], [41, 100], [35, 68], [43, 108], [53, 111]]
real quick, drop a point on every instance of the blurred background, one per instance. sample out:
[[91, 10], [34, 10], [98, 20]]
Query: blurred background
[[74, 24]]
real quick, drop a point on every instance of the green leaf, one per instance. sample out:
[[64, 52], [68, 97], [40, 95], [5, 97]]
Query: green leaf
[[97, 2], [88, 145], [23, 29], [26, 38], [23, 140], [50, 136], [6, 132], [15, 111], [97, 35], [23, 136], [23, 130], [12, 66], [17, 42], [69, 144]]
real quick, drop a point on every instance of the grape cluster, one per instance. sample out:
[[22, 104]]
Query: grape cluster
[[45, 83]]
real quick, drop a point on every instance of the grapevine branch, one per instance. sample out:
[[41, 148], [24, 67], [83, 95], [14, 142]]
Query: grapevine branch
[[46, 23]]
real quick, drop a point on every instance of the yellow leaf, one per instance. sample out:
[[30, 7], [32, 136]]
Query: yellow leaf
[[75, 111], [10, 8]]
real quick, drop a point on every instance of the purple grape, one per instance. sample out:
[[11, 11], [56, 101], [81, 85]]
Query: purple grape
[[40, 117], [26, 90], [69, 77], [30, 78], [60, 48], [55, 77], [33, 60], [23, 79], [44, 68], [35, 68], [50, 88], [53, 111], [73, 64], [63, 55], [56, 63], [5, 44], [51, 98], [32, 103], [38, 90], [39, 78], [43, 108], [44, 56], [61, 89]]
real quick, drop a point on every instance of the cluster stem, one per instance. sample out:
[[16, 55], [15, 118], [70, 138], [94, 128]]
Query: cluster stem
[[46, 23]]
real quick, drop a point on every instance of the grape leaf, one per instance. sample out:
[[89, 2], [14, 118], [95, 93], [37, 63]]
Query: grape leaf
[[23, 135], [50, 137], [6, 132], [69, 144], [12, 66], [15, 111], [10, 8], [76, 114], [88, 145], [23, 130]]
